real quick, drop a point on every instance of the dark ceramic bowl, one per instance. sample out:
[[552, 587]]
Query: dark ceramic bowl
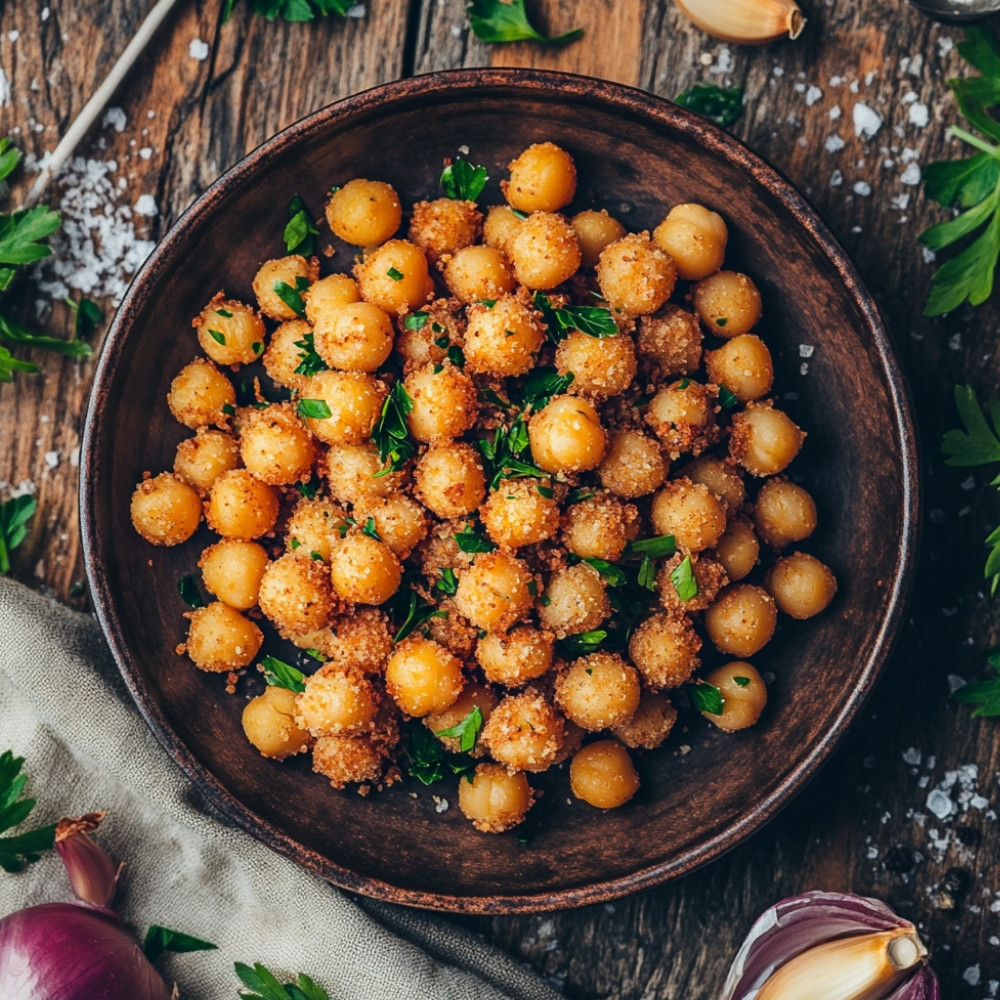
[[636, 155]]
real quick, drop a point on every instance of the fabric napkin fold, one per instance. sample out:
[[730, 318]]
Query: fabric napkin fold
[[64, 709]]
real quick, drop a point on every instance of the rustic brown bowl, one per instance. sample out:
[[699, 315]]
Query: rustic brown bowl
[[705, 791]]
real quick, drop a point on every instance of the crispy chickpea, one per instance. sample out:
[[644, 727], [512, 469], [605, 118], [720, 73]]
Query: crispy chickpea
[[312, 527], [743, 696], [445, 402], [426, 335], [542, 179], [695, 238], [801, 585], [423, 677], [764, 440], [595, 230], [360, 640], [199, 393], [524, 732], [502, 339], [474, 695], [671, 341], [444, 226], [738, 549], [353, 471], [721, 477], [449, 479], [354, 337], [364, 213], [651, 724], [500, 227], [269, 724], [784, 513], [283, 354], [707, 573], [495, 800], [165, 510], [294, 271], [601, 366], [493, 592], [682, 416], [295, 593], [276, 446], [636, 277], [691, 513], [337, 700], [599, 691], [220, 639], [544, 251], [479, 272], [566, 436], [399, 521], [230, 333], [395, 277], [514, 658], [327, 295], [743, 365], [231, 571], [347, 760], [452, 630], [520, 512], [364, 570], [664, 649], [602, 775], [200, 460], [727, 303], [598, 527], [742, 619], [241, 506], [633, 465], [574, 601], [354, 400]]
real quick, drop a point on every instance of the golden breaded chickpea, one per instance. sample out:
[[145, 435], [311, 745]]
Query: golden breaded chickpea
[[356, 474], [495, 800], [479, 272], [165, 510], [444, 226], [671, 341], [356, 337], [664, 649], [566, 436], [520, 512], [474, 695], [354, 399], [744, 696], [691, 513], [427, 334], [348, 760], [544, 251], [295, 593], [313, 527], [364, 213], [220, 639], [514, 658], [738, 549], [360, 640], [599, 691], [399, 521], [326, 296], [493, 592], [337, 701], [500, 227], [633, 465], [651, 724], [502, 339], [364, 570], [743, 365], [294, 271], [574, 601], [601, 366], [727, 303], [449, 479], [784, 513], [597, 528], [283, 354], [395, 277], [524, 732], [764, 440], [452, 630], [423, 677], [742, 619], [445, 402], [635, 276], [230, 333], [695, 238], [241, 506], [231, 571], [276, 446], [682, 416], [707, 573], [200, 460], [721, 476], [801, 585], [602, 775], [269, 724], [595, 230], [542, 179], [199, 393]]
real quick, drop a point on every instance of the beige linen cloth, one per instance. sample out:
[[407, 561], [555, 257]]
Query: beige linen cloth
[[64, 709]]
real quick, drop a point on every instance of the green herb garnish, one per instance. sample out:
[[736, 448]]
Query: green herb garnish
[[219, 338], [742, 681], [368, 528], [722, 106], [314, 409], [682, 577], [984, 694], [292, 297], [415, 321], [310, 363], [300, 233], [706, 697], [507, 454], [277, 673], [261, 984], [595, 321], [541, 384], [448, 584], [86, 319], [418, 613], [292, 10], [583, 643], [496, 21], [391, 434], [471, 542], [160, 939], [395, 274], [188, 589], [466, 732], [310, 489], [15, 514], [462, 181], [427, 760], [727, 400], [17, 851]]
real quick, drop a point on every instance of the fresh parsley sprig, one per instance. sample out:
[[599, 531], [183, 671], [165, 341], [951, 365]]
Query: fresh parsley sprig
[[310, 363], [560, 321], [160, 939], [391, 435], [719, 105], [292, 10], [277, 673], [986, 693], [705, 697], [499, 21], [429, 762], [462, 181], [15, 514], [300, 232], [507, 454], [262, 984], [418, 613], [466, 731], [19, 850]]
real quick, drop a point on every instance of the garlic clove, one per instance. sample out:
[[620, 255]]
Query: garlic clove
[[746, 22]]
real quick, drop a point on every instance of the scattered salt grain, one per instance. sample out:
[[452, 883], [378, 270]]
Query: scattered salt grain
[[919, 115], [4, 89], [441, 806], [51, 459], [834, 143], [14, 35], [955, 341], [872, 853], [945, 45], [807, 350], [836, 81], [835, 112], [929, 255], [867, 121], [115, 118], [909, 97], [146, 205], [804, 368], [955, 682], [939, 803], [836, 179], [912, 756], [357, 11], [198, 49], [813, 94], [862, 188], [968, 484], [901, 201], [45, 13], [971, 975], [146, 152], [723, 62], [778, 71], [911, 175]]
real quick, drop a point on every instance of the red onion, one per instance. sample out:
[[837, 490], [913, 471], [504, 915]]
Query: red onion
[[76, 951]]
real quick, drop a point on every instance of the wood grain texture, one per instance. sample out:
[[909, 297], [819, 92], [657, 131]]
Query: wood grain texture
[[840, 833]]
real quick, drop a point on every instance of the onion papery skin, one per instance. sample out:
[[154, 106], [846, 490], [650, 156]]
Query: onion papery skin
[[72, 951]]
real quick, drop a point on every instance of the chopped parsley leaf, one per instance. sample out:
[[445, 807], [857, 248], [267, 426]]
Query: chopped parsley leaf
[[277, 673]]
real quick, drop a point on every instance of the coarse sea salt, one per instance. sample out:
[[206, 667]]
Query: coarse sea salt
[[862, 188], [833, 143], [867, 121], [919, 115], [911, 175], [198, 49]]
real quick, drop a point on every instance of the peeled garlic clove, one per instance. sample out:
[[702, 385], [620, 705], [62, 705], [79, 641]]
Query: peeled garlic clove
[[746, 22]]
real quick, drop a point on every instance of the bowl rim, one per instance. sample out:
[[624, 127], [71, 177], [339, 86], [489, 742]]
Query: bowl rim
[[617, 98]]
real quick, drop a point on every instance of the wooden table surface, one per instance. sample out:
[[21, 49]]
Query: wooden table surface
[[864, 824]]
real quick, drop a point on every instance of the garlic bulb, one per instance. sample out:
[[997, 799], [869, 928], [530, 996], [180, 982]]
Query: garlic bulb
[[746, 22]]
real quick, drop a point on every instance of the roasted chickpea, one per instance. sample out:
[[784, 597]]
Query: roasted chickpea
[[353, 399], [784, 513], [566, 436], [231, 571], [542, 179], [695, 238], [651, 724], [452, 630], [495, 800], [165, 510], [230, 333], [241, 506], [356, 474], [514, 658], [601, 366], [544, 251], [742, 619], [633, 465], [348, 760], [445, 402], [727, 303], [493, 592], [427, 334], [199, 393], [283, 354], [479, 272], [276, 446], [595, 230], [360, 640], [364, 212], [599, 691], [500, 226], [326, 296], [683, 417], [449, 479], [738, 549], [364, 570], [399, 521], [395, 277], [423, 677], [220, 639], [636, 277], [354, 337], [664, 649], [706, 573], [444, 226], [743, 696], [200, 460], [295, 593], [764, 440], [337, 700], [474, 695], [503, 338], [520, 512], [721, 477], [313, 527], [524, 732], [801, 585], [598, 527], [602, 775], [293, 271], [691, 513], [743, 365], [671, 341], [574, 601], [269, 724]]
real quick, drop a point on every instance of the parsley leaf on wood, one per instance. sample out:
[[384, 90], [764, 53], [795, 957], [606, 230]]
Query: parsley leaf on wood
[[462, 180], [985, 694], [497, 21], [300, 233], [160, 939], [20, 849], [392, 434], [428, 761], [262, 985], [277, 673], [292, 10], [188, 589], [15, 514], [87, 316], [722, 106]]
